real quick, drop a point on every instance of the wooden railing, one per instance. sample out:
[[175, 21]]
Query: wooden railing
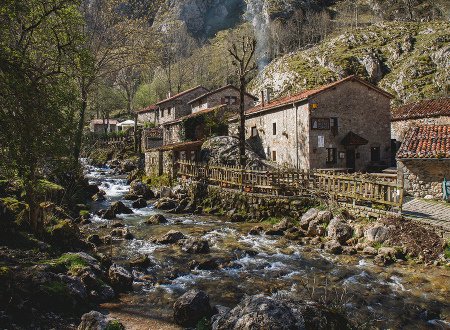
[[353, 188]]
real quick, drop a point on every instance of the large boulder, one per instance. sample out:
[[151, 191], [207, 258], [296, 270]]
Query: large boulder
[[377, 234], [171, 237], [115, 209], [224, 150], [166, 204], [156, 219], [339, 230], [195, 245], [141, 189], [333, 247], [120, 278], [260, 313], [310, 215], [191, 308], [139, 203], [97, 321]]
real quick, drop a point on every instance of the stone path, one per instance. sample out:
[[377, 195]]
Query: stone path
[[433, 213]]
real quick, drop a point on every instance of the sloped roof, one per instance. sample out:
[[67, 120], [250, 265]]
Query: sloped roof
[[100, 121], [426, 141], [150, 108], [422, 109], [304, 95], [190, 145], [192, 115], [181, 94], [219, 90], [353, 139]]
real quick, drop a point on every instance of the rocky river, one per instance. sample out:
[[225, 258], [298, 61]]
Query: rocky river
[[401, 296]]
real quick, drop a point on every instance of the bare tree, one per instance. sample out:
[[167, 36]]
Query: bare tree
[[245, 64]]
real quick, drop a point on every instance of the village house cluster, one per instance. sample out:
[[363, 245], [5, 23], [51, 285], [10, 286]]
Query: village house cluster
[[347, 125]]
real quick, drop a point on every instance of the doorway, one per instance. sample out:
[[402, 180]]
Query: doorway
[[351, 159]]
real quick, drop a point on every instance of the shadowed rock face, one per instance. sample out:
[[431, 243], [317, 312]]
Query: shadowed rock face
[[224, 150]]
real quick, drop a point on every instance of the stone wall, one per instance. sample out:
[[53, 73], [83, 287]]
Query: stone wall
[[424, 177], [153, 163], [215, 99], [400, 128], [148, 117], [256, 207]]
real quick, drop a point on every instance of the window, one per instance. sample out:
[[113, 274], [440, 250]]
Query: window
[[274, 156], [320, 123], [230, 100], [168, 111], [162, 113], [331, 156], [254, 131], [274, 128], [334, 125], [375, 154]]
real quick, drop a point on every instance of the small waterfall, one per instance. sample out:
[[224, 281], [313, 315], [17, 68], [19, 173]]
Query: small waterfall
[[258, 15]]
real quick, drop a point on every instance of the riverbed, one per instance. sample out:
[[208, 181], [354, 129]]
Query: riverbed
[[401, 296]]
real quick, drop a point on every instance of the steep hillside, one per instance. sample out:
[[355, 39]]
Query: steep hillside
[[410, 60]]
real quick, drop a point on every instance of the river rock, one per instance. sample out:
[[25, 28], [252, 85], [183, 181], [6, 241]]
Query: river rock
[[166, 204], [95, 239], [130, 197], [208, 264], [116, 208], [141, 189], [386, 256], [310, 215], [123, 233], [370, 251], [166, 192], [120, 278], [333, 247], [259, 313], [141, 262], [139, 203], [97, 321], [378, 233], [274, 232], [257, 230], [156, 219], [118, 224], [339, 230], [191, 307], [316, 228], [283, 225], [170, 237], [99, 197], [195, 245]]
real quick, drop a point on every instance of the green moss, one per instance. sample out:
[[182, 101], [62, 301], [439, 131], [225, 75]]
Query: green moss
[[68, 262], [4, 271], [55, 288], [272, 220], [115, 325], [377, 245], [84, 213], [157, 181], [447, 251]]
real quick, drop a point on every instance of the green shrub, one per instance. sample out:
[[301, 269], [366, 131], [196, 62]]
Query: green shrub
[[115, 325]]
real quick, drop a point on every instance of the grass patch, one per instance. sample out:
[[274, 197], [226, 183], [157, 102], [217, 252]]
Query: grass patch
[[272, 220], [68, 262], [157, 181]]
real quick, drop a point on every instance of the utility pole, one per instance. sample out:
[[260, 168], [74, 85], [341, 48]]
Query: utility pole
[[243, 61]]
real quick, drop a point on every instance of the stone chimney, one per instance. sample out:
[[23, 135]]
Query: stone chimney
[[268, 95]]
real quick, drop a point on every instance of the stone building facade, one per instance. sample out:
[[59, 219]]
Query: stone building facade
[[228, 95], [148, 115], [427, 112], [177, 106], [424, 160], [345, 124], [100, 126]]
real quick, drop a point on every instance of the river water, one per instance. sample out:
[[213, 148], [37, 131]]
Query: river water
[[401, 296]]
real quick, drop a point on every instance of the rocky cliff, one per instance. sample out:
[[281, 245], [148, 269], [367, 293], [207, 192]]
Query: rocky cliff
[[410, 60]]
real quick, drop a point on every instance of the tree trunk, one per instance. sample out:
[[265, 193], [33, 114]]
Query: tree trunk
[[242, 159], [79, 131]]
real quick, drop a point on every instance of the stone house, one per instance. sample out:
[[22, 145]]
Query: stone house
[[184, 136], [151, 138], [148, 115], [345, 124], [424, 160], [427, 112], [228, 95], [177, 106], [98, 126]]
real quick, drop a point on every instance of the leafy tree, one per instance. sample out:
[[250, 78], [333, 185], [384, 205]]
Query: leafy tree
[[38, 38]]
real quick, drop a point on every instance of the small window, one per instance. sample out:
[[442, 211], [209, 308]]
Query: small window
[[375, 154], [274, 128], [169, 110], [162, 113], [331, 156], [229, 100], [254, 131], [320, 123], [274, 155]]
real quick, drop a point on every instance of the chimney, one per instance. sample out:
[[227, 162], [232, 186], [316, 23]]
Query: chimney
[[268, 95], [169, 95], [262, 99]]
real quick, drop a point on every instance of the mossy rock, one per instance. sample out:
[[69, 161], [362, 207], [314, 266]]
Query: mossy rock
[[64, 234], [67, 262]]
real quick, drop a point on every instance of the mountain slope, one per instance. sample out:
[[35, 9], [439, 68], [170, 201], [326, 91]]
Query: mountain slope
[[410, 60]]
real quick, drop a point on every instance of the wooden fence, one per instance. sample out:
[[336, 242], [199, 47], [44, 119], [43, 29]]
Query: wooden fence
[[350, 188]]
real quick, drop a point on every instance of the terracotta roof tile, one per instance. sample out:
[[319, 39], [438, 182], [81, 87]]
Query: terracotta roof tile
[[422, 109], [219, 90], [148, 109], [100, 121], [308, 93], [189, 145], [192, 115], [426, 141], [181, 94]]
